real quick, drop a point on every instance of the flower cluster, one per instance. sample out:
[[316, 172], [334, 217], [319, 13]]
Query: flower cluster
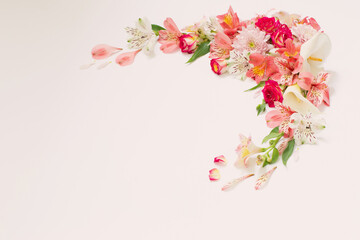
[[282, 53]]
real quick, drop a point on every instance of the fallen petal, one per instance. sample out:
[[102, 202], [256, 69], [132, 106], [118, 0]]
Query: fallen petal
[[103, 51], [214, 174], [260, 183], [234, 182], [125, 59], [220, 160]]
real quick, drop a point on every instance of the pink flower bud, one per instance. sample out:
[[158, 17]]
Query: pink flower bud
[[188, 43], [103, 51], [218, 65]]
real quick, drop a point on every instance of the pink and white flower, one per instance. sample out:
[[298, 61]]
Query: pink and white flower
[[238, 64], [245, 149], [318, 91], [188, 43], [220, 47], [141, 36], [305, 127], [219, 65], [252, 40]]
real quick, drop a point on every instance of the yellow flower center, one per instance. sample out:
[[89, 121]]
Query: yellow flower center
[[228, 20], [315, 59]]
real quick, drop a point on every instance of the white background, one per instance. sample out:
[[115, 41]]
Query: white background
[[124, 152]]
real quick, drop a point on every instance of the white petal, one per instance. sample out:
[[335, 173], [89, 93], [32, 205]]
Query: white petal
[[296, 101]]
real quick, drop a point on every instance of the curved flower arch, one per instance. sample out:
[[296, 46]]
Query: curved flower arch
[[284, 55]]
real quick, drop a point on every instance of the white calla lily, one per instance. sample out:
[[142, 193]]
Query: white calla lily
[[314, 53], [294, 99]]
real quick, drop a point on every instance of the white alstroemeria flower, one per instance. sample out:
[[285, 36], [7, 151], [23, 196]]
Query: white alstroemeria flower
[[314, 53], [205, 28], [305, 127], [238, 64], [142, 36]]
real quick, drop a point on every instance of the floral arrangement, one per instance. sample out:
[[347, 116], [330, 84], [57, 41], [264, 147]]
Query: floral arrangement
[[282, 53]]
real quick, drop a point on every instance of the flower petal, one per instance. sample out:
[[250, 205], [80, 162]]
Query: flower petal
[[297, 102], [234, 182], [220, 160], [125, 59], [214, 174], [260, 183]]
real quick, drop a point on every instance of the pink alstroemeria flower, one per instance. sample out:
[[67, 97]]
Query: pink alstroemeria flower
[[289, 63], [280, 117], [245, 149], [126, 59], [310, 21], [103, 51], [214, 174], [318, 91], [221, 46], [264, 67], [218, 66], [230, 22], [169, 38]]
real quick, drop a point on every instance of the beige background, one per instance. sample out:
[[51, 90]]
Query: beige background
[[124, 153]]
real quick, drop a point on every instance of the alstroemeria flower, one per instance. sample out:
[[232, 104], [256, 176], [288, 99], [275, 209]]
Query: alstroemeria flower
[[221, 45], [280, 117], [214, 174], [230, 22], [286, 18], [314, 52], [311, 22], [218, 66], [264, 67], [280, 35], [238, 64], [169, 38], [305, 126], [188, 43], [318, 91], [142, 36], [103, 51], [206, 29], [260, 183], [220, 160], [272, 93], [125, 59], [245, 149]]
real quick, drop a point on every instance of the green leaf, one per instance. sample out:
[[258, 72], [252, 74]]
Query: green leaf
[[201, 50], [261, 108], [288, 151], [156, 29], [273, 134], [275, 155], [261, 84]]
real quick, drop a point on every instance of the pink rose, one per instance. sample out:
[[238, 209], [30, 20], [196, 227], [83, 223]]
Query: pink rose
[[272, 93], [218, 65], [280, 35], [188, 43], [268, 25]]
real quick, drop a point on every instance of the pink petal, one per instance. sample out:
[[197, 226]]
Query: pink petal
[[103, 51], [326, 97], [220, 160], [234, 182], [170, 25], [169, 47], [256, 59], [214, 174], [125, 59], [274, 118], [260, 183], [305, 80], [223, 40]]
